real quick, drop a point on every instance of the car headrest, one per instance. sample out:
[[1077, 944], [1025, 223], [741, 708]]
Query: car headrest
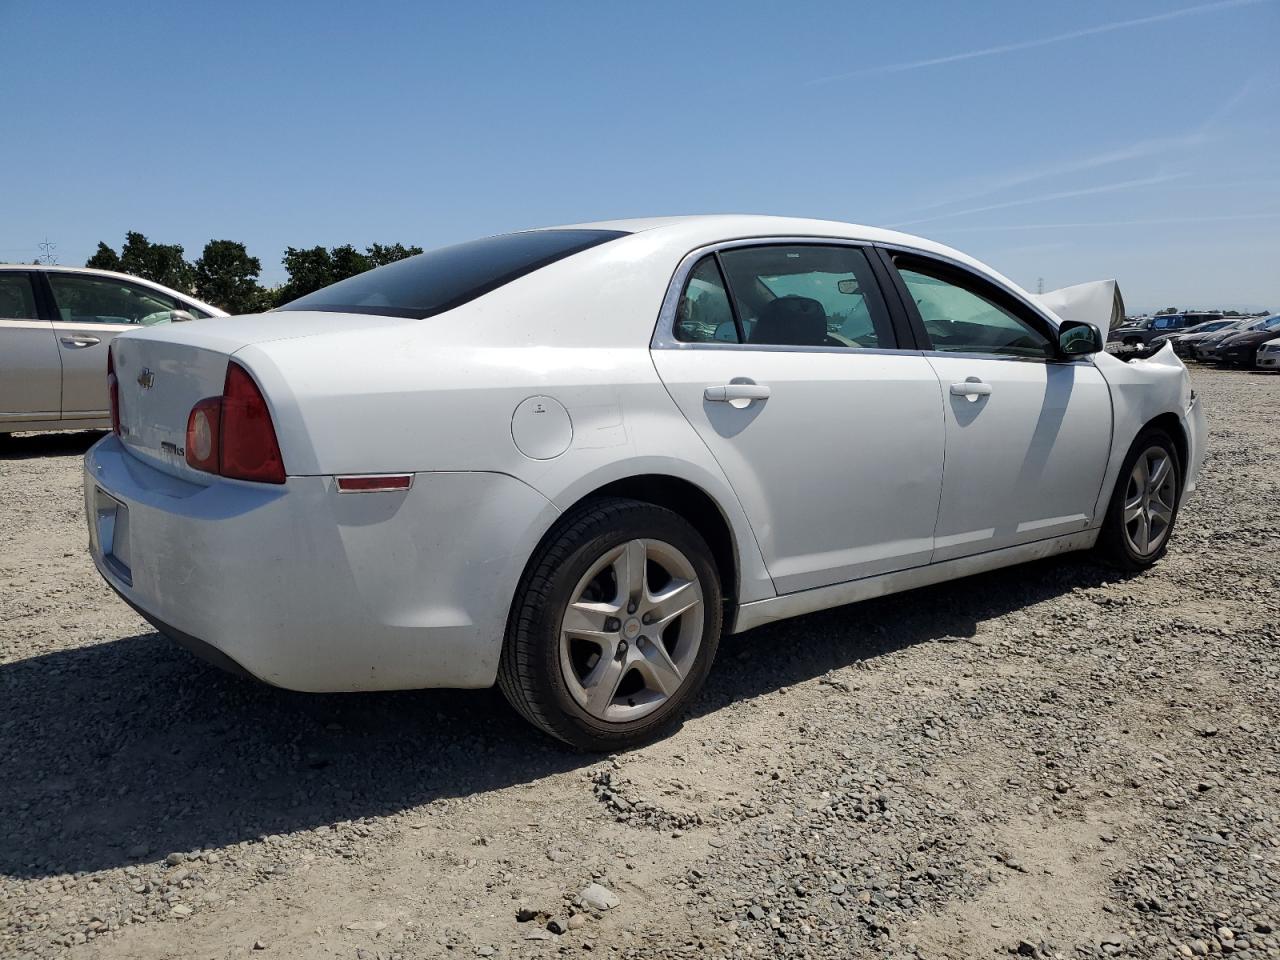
[[792, 320]]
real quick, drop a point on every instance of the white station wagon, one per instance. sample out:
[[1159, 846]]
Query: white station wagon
[[55, 324], [569, 460]]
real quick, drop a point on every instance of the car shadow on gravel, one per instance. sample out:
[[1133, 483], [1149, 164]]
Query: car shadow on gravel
[[30, 446], [130, 749]]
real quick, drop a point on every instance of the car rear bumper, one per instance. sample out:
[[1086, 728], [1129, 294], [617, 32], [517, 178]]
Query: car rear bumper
[[311, 589]]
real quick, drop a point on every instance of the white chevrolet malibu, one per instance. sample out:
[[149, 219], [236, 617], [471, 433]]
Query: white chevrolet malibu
[[570, 459]]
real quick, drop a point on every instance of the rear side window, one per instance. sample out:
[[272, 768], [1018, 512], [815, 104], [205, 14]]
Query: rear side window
[[806, 295], [703, 314], [440, 280], [17, 298]]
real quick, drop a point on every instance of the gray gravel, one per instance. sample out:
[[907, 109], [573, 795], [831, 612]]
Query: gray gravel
[[1050, 761]]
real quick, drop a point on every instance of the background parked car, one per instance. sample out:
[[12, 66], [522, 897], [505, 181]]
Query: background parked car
[[1269, 355], [1183, 343], [55, 325], [1241, 349], [1136, 337], [1207, 350]]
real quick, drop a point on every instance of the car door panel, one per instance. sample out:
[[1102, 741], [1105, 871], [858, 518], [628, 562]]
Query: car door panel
[[1028, 433], [1024, 461], [90, 309], [83, 349], [30, 370], [839, 470]]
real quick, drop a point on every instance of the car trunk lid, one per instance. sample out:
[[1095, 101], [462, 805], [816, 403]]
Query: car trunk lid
[[163, 372]]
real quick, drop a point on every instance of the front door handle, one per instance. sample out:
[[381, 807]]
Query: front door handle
[[971, 389], [727, 393], [79, 341]]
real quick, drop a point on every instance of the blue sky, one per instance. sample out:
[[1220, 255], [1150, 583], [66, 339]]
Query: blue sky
[[1069, 141]]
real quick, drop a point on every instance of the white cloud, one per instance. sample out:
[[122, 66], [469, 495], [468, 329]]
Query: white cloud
[[1041, 42]]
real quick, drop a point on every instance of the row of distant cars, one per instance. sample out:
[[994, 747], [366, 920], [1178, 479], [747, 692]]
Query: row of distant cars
[[1251, 342]]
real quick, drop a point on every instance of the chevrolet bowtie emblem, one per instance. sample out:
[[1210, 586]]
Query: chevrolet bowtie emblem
[[146, 379]]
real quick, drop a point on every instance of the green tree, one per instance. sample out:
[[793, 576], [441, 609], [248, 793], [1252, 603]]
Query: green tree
[[347, 261], [1166, 310], [226, 276], [380, 255], [104, 259], [311, 268], [161, 262]]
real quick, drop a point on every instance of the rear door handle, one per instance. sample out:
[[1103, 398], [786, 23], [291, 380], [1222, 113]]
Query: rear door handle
[[80, 341], [971, 389], [729, 392]]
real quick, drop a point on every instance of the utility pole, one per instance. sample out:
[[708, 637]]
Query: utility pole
[[1039, 284], [48, 252]]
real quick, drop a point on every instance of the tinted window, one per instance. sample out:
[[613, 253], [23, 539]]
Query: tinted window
[[808, 296], [962, 316], [703, 314], [440, 280], [17, 298], [81, 298]]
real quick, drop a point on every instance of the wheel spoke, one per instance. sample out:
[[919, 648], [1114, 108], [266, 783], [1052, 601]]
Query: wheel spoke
[[658, 669], [587, 620], [1159, 474], [1133, 510], [601, 684], [679, 596], [1160, 512], [1141, 474], [1142, 536], [628, 568]]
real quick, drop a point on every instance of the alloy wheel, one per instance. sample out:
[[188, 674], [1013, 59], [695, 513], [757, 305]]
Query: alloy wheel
[[1149, 501], [631, 630]]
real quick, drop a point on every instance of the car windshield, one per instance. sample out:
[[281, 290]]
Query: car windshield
[[440, 280]]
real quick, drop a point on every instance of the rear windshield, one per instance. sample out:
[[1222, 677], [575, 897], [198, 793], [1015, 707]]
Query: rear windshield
[[440, 280]]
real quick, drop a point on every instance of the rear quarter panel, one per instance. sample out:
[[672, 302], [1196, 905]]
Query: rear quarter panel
[[439, 394]]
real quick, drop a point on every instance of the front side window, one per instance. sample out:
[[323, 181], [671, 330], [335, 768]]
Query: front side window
[[807, 296], [17, 298], [81, 298], [961, 317]]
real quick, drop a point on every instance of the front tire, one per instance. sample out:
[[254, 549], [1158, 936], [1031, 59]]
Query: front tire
[[614, 626], [1144, 504]]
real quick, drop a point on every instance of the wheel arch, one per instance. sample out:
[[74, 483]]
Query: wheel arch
[[695, 506], [1172, 425]]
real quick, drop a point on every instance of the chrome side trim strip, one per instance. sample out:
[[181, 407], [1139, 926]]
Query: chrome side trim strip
[[760, 612]]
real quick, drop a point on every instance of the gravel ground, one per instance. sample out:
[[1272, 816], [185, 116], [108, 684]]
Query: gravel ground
[[1049, 761]]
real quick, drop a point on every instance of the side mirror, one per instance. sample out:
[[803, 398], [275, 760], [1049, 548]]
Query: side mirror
[[1078, 339], [179, 316]]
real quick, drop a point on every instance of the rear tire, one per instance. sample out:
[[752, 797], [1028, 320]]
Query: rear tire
[[614, 627], [1144, 505]]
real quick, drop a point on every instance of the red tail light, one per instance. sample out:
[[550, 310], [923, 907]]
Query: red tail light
[[232, 435], [113, 389]]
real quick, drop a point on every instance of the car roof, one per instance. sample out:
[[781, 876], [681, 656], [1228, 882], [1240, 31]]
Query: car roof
[[697, 230], [115, 275]]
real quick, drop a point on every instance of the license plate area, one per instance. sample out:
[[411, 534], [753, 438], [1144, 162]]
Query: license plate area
[[111, 534]]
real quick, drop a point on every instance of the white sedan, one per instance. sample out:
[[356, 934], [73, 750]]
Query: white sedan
[[1269, 355], [55, 324], [570, 459]]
